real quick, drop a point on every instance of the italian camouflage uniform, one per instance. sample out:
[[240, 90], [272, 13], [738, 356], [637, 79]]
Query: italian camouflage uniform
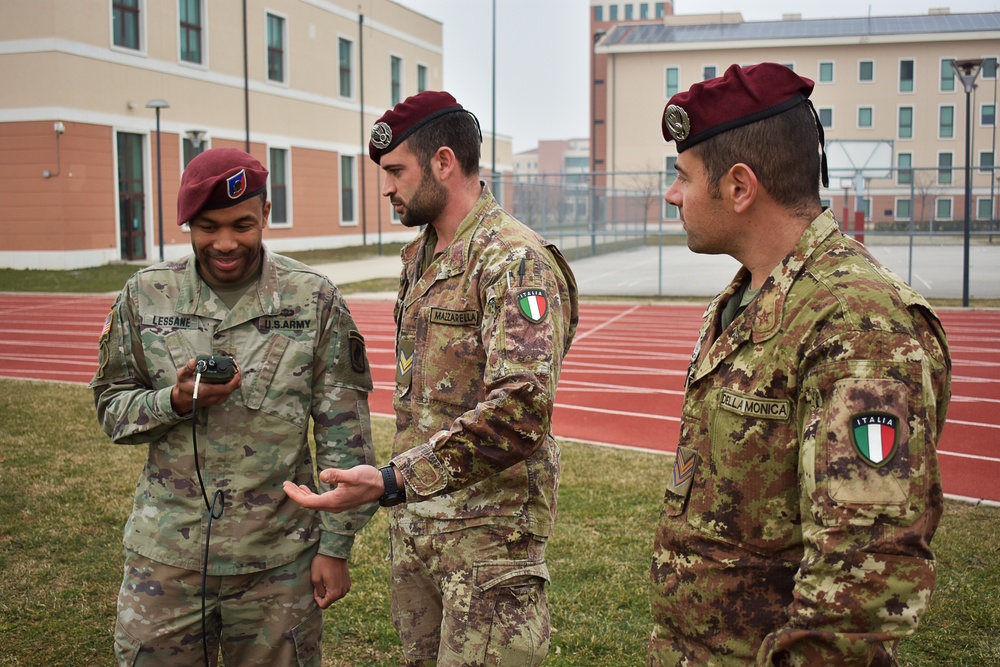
[[798, 516], [481, 335], [300, 356]]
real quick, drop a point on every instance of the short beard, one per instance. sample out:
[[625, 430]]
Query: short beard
[[427, 204]]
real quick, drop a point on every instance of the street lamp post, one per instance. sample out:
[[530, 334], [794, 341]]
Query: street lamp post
[[593, 143], [967, 71], [159, 104]]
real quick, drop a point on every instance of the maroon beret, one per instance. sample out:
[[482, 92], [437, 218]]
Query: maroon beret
[[741, 96], [402, 120], [219, 178]]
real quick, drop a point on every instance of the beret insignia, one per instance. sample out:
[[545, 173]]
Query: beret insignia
[[236, 184], [677, 122], [381, 135]]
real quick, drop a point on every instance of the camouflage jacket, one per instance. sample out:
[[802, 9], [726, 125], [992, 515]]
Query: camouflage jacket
[[797, 519], [481, 335], [300, 355]]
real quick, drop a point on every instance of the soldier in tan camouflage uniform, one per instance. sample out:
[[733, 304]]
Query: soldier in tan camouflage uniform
[[272, 566], [486, 311], [798, 516]]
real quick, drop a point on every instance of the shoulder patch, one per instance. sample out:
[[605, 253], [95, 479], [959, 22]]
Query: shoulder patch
[[533, 304], [359, 362], [875, 436]]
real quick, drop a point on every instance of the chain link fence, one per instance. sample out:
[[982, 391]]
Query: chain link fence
[[913, 220]]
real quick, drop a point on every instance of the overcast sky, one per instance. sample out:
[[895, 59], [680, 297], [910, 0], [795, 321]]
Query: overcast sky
[[543, 53]]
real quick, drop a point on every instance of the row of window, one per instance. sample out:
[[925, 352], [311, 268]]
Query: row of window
[[127, 33], [987, 117], [866, 74], [628, 11]]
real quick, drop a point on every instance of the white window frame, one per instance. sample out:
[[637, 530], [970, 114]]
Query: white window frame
[[288, 187], [286, 46], [354, 188], [143, 40], [203, 65], [833, 72], [354, 67]]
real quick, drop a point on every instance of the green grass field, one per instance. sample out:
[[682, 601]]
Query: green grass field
[[65, 492]]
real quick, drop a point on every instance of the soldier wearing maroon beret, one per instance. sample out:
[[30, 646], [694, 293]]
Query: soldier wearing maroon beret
[[218, 451], [485, 314], [798, 514]]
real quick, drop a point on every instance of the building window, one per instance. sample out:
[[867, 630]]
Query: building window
[[865, 117], [344, 49], [989, 69], [644, 10], [193, 148], [396, 80], [988, 115], [984, 208], [947, 76], [346, 188], [612, 12], [825, 117], [628, 11], [275, 48], [866, 70], [904, 168], [598, 13], [190, 20], [826, 72], [670, 212], [946, 122], [942, 208], [986, 162], [708, 72], [279, 186], [944, 168], [125, 15], [673, 81], [906, 76], [905, 123], [902, 209], [421, 78], [661, 10]]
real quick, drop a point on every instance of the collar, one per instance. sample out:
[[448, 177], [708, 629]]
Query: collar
[[195, 297]]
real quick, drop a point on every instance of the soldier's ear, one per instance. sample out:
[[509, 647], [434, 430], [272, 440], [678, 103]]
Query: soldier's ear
[[740, 186]]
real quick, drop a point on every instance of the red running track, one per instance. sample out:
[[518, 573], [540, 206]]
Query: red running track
[[622, 383]]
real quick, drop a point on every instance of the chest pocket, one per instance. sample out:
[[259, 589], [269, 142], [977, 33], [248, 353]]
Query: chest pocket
[[449, 361], [277, 379], [746, 492]]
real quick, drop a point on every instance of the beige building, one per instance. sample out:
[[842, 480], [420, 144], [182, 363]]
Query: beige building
[[298, 83], [885, 92]]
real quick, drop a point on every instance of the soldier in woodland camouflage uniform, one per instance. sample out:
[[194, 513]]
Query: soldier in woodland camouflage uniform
[[486, 311], [272, 566], [798, 516]]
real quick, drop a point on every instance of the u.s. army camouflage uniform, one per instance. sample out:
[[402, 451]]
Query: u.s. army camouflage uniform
[[481, 335], [787, 537], [300, 356]]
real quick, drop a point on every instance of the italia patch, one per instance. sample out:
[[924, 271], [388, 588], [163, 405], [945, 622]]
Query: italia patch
[[236, 184], [875, 436], [533, 304]]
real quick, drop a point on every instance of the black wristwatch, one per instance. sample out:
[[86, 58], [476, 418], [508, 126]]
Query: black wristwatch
[[393, 494]]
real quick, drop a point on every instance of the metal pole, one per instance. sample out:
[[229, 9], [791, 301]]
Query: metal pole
[[968, 196], [361, 156], [159, 181], [246, 80], [493, 150]]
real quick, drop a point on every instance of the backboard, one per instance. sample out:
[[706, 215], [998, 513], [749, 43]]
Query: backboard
[[871, 158]]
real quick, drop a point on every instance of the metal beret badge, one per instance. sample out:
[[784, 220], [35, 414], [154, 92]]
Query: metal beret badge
[[677, 122], [381, 135]]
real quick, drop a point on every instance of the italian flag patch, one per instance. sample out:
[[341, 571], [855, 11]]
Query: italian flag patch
[[875, 436], [533, 304]]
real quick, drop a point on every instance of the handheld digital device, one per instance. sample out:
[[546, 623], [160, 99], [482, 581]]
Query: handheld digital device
[[215, 369]]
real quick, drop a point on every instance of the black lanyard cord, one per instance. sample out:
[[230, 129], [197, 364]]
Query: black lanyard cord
[[215, 510]]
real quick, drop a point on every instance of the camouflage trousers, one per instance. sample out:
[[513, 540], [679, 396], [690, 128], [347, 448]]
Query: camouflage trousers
[[471, 597], [264, 618]]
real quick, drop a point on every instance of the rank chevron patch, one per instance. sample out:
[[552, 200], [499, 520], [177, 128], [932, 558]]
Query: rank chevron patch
[[684, 466]]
